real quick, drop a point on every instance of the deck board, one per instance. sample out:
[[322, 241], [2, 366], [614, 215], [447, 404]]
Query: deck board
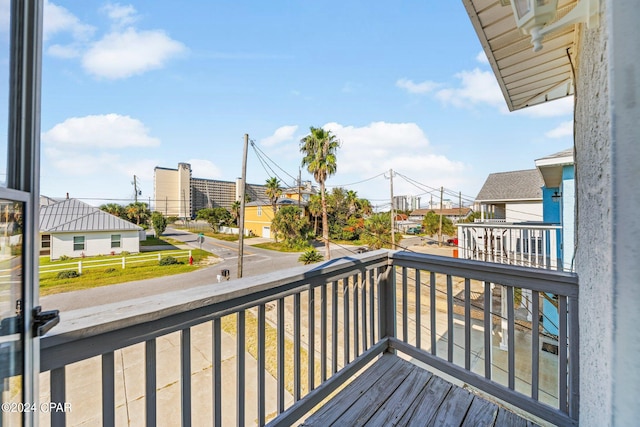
[[394, 391], [390, 413]]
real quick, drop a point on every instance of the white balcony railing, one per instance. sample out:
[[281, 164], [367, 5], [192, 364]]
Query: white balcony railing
[[531, 245], [299, 334]]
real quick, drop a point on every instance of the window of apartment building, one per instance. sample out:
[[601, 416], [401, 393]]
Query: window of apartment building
[[259, 210], [46, 241], [115, 240], [78, 243]]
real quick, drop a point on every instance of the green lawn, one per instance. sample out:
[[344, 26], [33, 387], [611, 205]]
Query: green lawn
[[109, 275]]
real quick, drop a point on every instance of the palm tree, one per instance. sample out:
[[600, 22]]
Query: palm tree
[[137, 211], [235, 211], [113, 209], [353, 202], [315, 209], [273, 192], [319, 150]]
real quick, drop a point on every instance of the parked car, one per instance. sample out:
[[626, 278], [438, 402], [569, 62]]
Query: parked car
[[452, 242], [414, 230], [362, 249]]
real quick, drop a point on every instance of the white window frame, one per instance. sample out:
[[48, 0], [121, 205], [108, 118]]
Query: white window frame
[[84, 243]]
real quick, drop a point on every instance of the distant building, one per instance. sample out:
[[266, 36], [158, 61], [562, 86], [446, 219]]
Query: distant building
[[406, 203], [177, 193]]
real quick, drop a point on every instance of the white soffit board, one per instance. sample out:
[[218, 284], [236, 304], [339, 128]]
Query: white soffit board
[[526, 78]]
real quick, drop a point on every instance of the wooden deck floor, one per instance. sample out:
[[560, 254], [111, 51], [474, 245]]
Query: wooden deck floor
[[395, 392]]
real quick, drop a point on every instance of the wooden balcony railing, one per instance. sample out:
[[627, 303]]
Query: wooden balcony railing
[[272, 347]]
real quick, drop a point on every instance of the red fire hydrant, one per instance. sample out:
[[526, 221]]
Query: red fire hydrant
[[190, 260]]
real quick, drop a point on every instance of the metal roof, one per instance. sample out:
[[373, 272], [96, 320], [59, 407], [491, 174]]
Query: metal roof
[[71, 215], [526, 78], [515, 185]]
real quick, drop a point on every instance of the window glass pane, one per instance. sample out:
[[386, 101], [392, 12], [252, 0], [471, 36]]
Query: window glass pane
[[115, 240], [78, 243], [4, 87], [10, 308]]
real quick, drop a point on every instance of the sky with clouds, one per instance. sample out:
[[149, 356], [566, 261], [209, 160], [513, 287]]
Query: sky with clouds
[[133, 85]]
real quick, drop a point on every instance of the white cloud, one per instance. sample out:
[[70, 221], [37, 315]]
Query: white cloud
[[5, 7], [108, 131], [564, 129], [120, 15], [66, 52], [204, 169], [282, 134], [481, 57], [417, 88], [121, 55], [386, 145], [57, 19], [476, 87], [555, 108]]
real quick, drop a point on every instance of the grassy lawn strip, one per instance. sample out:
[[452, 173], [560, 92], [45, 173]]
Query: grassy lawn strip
[[271, 350], [113, 274], [280, 247], [162, 241]]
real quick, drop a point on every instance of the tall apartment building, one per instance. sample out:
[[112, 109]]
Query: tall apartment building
[[406, 203], [177, 193]]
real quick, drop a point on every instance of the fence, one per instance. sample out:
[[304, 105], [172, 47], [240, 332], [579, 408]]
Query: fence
[[123, 261]]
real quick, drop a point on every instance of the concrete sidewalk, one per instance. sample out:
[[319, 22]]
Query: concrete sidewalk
[[83, 380]]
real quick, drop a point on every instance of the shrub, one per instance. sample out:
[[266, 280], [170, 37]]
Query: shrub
[[64, 258], [125, 253], [310, 256], [110, 270], [168, 260], [68, 274]]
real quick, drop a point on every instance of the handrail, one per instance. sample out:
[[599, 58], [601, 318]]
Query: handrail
[[356, 307], [134, 321]]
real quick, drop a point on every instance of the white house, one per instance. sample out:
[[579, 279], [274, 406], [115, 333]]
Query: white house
[[514, 196], [75, 229]]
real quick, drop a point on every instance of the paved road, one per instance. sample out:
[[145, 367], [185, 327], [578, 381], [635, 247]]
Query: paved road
[[256, 261]]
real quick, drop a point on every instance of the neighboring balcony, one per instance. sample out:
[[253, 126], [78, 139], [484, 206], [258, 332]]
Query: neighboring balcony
[[527, 244], [380, 338]]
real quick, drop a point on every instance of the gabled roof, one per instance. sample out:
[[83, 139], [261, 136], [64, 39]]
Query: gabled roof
[[551, 167], [515, 185], [71, 215], [526, 78]]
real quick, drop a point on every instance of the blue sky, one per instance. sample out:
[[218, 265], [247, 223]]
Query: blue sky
[[133, 85]]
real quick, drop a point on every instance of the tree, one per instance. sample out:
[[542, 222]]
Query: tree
[[137, 212], [377, 231], [273, 192], [113, 209], [215, 217], [159, 223], [431, 224], [315, 209], [319, 150], [235, 211], [293, 228]]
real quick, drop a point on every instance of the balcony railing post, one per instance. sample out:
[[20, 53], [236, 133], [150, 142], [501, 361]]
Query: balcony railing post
[[388, 302]]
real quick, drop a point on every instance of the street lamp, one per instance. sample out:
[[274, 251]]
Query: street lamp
[[533, 17]]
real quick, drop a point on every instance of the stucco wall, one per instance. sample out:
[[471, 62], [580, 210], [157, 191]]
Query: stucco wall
[[593, 255], [98, 243]]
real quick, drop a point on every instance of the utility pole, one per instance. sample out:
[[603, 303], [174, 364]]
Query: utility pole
[[440, 227], [242, 204], [460, 206], [299, 185], [393, 233], [135, 188]]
